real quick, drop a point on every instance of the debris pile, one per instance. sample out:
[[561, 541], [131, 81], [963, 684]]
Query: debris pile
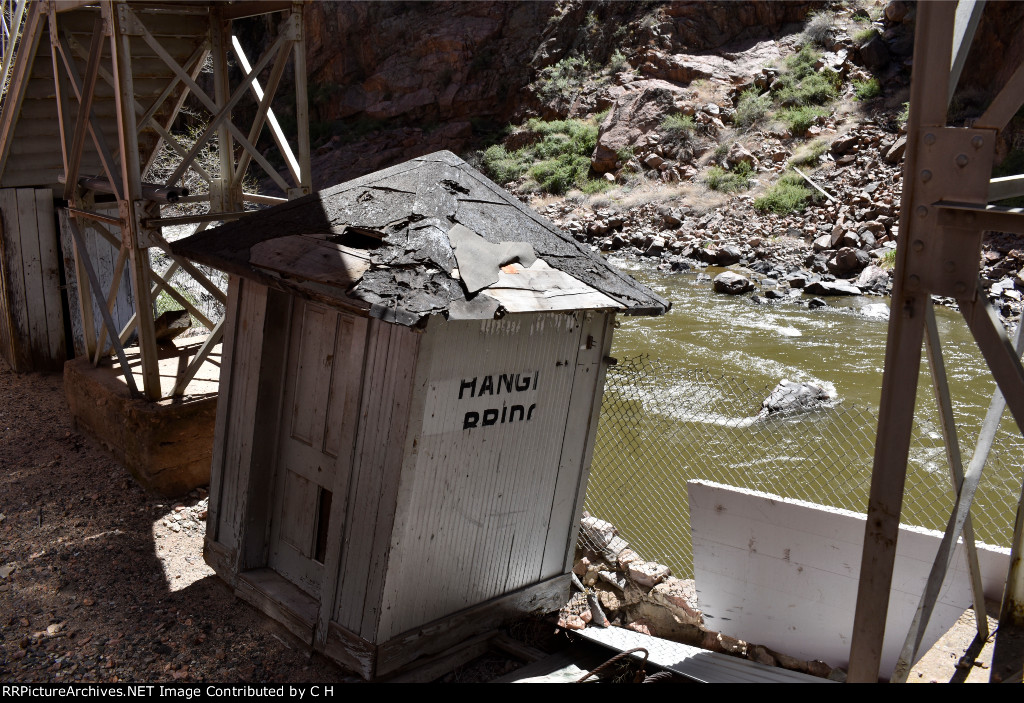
[[616, 585]]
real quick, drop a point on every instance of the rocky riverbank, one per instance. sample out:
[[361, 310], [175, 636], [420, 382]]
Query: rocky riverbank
[[617, 588]]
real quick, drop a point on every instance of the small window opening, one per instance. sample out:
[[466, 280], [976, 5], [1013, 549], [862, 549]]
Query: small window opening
[[323, 521]]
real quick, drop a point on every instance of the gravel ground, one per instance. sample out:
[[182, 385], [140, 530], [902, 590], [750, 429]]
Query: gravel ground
[[100, 581]]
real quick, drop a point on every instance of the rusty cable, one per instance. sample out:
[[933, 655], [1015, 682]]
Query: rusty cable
[[617, 657]]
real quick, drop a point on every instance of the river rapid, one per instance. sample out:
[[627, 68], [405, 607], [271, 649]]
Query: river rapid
[[824, 456]]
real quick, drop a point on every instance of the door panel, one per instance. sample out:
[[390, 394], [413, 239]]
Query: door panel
[[325, 348]]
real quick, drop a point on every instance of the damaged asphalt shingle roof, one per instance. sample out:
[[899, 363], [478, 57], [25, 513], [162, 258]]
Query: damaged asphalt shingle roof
[[402, 216]]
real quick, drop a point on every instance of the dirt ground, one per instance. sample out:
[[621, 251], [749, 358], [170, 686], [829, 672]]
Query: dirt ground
[[100, 581]]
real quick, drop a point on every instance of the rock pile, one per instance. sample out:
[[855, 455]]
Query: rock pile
[[628, 591]]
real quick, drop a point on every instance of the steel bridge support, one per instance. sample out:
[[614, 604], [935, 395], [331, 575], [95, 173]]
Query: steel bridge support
[[127, 35], [947, 188]]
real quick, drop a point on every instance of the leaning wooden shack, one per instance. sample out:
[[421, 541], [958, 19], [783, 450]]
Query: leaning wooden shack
[[412, 376]]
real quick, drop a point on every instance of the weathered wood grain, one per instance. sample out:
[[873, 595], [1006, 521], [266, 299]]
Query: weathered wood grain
[[441, 634]]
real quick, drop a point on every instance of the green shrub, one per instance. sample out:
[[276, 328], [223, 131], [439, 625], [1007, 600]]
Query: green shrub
[[801, 64], [751, 107], [866, 90], [815, 89], [557, 162], [678, 125], [809, 153], [789, 194], [564, 79], [819, 27], [594, 185], [721, 150], [865, 35], [502, 166], [617, 63], [798, 119], [904, 113], [735, 180], [888, 259]]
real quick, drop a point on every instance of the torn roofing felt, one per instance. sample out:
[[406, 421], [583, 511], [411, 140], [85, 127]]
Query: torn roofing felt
[[429, 236]]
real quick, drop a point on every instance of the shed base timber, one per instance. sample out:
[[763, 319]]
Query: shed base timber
[[276, 597], [166, 445]]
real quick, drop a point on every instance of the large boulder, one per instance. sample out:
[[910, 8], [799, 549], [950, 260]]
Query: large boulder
[[847, 261], [740, 155], [832, 288], [635, 114], [731, 283], [792, 396], [728, 255], [873, 278], [874, 53]]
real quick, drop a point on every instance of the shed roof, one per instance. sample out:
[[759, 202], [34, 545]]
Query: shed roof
[[428, 236]]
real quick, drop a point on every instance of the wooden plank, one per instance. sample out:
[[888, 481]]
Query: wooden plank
[[343, 417], [20, 333], [6, 324], [350, 650], [220, 559], [265, 419], [67, 244], [578, 447], [283, 601], [49, 259], [364, 498], [226, 390], [401, 370], [429, 668], [693, 662], [37, 343], [240, 423], [310, 259], [441, 634]]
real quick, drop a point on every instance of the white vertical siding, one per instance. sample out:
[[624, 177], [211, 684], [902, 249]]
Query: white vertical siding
[[475, 503], [32, 315]]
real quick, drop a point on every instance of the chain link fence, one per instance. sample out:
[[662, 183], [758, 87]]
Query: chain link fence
[[661, 427]]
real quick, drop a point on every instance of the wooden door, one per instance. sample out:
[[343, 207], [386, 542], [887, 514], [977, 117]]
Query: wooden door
[[317, 432]]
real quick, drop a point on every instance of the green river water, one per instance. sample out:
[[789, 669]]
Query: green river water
[[716, 357]]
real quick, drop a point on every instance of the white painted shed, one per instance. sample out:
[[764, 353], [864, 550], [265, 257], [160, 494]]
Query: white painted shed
[[412, 376]]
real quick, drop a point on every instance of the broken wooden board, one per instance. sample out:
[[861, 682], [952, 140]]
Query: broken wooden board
[[311, 258], [784, 573]]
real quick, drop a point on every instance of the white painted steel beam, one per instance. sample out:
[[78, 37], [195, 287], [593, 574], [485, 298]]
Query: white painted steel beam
[[108, 321], [264, 100], [186, 376], [131, 177]]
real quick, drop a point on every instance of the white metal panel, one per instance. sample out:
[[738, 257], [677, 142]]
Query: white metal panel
[[477, 493], [103, 257], [784, 573]]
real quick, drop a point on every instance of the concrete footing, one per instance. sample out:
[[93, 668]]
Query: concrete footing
[[167, 444]]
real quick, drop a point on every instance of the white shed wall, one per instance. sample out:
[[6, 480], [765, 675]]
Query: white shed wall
[[487, 466]]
